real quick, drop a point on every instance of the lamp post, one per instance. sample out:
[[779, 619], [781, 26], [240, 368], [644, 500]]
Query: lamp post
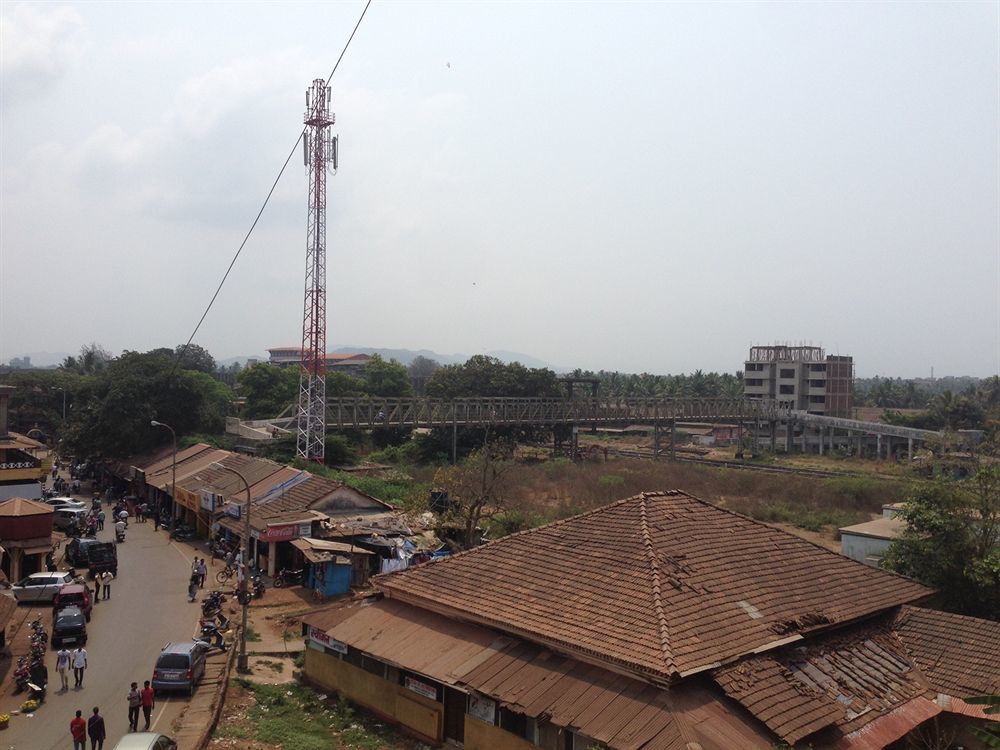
[[242, 666], [64, 402], [173, 474]]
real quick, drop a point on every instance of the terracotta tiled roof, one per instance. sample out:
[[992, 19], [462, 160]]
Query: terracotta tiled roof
[[304, 494], [662, 583], [958, 655], [20, 506], [611, 708]]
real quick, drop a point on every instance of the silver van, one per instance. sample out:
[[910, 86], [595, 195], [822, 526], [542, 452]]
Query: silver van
[[67, 518], [180, 666], [40, 587]]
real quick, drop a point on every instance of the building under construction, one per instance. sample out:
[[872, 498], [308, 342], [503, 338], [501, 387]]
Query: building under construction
[[803, 376]]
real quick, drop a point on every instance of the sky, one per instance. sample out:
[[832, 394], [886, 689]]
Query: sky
[[643, 187]]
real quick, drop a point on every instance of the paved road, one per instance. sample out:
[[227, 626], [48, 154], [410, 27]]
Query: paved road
[[148, 607]]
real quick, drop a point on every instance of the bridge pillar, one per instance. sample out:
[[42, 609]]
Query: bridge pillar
[[909, 448], [805, 438], [656, 441], [673, 438], [789, 434], [878, 447], [774, 436], [575, 443], [454, 440], [822, 439]]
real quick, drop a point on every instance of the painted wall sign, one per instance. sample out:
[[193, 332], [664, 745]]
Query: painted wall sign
[[421, 688], [484, 709], [324, 641]]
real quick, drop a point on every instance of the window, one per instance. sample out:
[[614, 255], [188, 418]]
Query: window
[[817, 399], [754, 381], [786, 390], [755, 367], [787, 372], [817, 368], [374, 666], [817, 384], [353, 656]]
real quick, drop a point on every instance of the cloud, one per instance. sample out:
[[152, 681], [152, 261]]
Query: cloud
[[40, 45]]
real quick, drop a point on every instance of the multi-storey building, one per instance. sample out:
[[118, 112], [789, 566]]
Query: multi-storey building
[[803, 376]]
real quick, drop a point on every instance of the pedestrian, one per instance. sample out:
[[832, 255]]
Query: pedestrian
[[62, 667], [79, 658], [148, 696], [123, 516], [100, 520], [106, 578], [202, 572], [78, 728], [97, 586], [193, 587], [134, 704], [95, 728], [156, 521], [140, 510], [50, 562]]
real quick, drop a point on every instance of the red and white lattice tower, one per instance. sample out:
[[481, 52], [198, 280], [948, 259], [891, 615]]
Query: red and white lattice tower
[[319, 148]]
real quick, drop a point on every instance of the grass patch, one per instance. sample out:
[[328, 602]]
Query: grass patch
[[252, 635], [294, 717]]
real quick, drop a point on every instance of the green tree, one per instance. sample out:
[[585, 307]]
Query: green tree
[[388, 379], [342, 385], [952, 541], [194, 357], [268, 390], [111, 418], [92, 359]]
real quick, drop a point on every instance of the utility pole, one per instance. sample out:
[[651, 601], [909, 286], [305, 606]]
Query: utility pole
[[319, 150]]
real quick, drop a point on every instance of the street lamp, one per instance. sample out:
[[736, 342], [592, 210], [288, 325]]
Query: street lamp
[[173, 473], [242, 666]]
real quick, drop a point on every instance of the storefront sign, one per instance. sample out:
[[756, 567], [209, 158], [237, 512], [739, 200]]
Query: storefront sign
[[483, 708], [421, 688], [281, 533], [324, 641], [210, 501], [234, 510]]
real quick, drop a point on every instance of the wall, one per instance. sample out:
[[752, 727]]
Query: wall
[[482, 736], [861, 547], [394, 702]]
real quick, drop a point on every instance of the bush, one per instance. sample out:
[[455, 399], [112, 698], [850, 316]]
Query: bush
[[339, 451]]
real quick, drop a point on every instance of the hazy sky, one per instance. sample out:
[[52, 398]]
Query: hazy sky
[[642, 187]]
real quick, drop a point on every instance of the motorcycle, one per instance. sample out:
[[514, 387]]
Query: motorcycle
[[119, 535], [182, 533], [288, 577], [257, 587], [210, 630], [213, 602], [22, 673]]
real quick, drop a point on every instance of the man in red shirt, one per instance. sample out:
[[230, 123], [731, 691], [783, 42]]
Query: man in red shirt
[[148, 700], [78, 728]]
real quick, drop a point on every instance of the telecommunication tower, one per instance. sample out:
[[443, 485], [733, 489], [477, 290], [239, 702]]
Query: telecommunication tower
[[319, 151]]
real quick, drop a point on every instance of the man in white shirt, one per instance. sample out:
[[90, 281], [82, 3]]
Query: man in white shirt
[[79, 659], [62, 667]]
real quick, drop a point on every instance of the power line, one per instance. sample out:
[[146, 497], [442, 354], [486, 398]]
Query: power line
[[291, 153]]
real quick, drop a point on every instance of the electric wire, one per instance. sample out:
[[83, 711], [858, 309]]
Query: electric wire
[[180, 355]]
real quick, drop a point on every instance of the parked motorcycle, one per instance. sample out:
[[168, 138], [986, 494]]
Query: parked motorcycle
[[213, 601], [119, 535], [210, 631], [183, 532], [286, 577], [257, 585], [22, 673]]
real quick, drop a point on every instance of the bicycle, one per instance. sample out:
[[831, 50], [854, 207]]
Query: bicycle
[[225, 574]]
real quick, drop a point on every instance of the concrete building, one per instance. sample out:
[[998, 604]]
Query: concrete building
[[21, 472], [345, 362], [867, 542], [803, 375]]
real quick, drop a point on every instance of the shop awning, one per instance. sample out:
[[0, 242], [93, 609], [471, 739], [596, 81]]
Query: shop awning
[[320, 550]]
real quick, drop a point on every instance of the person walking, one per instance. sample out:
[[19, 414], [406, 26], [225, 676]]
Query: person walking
[[156, 521], [97, 587], [95, 728], [79, 660], [78, 728], [62, 667], [100, 519], [134, 704], [148, 696], [202, 572], [106, 578], [193, 587]]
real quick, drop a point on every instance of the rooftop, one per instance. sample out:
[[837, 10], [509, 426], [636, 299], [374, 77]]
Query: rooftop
[[880, 528], [663, 584], [19, 506]]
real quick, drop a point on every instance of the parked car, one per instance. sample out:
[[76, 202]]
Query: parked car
[[145, 741], [66, 519], [77, 551], [64, 502], [103, 556], [180, 666], [69, 626], [40, 587], [74, 595]]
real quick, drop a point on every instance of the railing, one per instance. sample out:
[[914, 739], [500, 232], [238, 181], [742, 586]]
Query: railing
[[482, 412]]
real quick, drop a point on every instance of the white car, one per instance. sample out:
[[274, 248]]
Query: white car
[[40, 587], [146, 741], [64, 502]]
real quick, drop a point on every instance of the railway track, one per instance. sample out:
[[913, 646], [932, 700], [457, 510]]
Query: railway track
[[688, 459]]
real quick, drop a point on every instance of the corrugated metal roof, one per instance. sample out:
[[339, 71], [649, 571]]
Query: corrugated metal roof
[[162, 478], [661, 583], [166, 460], [880, 528], [885, 730]]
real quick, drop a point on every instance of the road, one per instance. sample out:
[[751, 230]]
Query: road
[[148, 608]]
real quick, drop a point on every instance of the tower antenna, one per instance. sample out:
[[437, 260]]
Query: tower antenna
[[320, 151]]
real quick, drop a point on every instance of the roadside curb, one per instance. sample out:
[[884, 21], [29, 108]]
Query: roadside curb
[[218, 701]]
